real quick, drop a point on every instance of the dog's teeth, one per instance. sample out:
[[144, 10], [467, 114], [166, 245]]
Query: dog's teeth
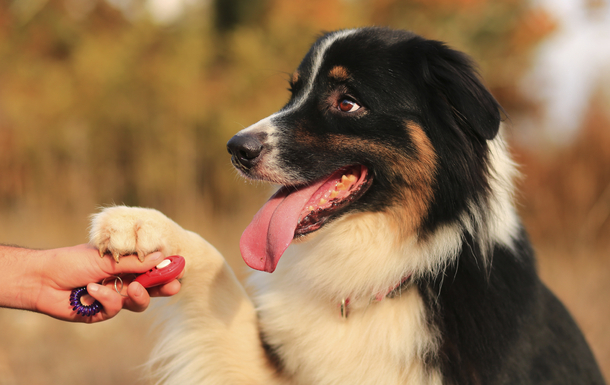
[[322, 201], [311, 208], [346, 182], [333, 194]]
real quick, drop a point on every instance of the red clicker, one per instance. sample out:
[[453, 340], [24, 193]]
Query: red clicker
[[165, 272]]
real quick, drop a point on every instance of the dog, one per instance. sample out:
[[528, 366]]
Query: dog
[[396, 253]]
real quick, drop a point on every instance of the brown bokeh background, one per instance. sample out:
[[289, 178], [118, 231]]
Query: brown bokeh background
[[100, 103]]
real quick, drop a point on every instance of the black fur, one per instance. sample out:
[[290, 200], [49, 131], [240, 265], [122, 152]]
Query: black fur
[[398, 77], [498, 323], [502, 325]]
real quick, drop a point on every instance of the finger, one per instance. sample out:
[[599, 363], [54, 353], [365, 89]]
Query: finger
[[111, 301], [167, 290], [130, 264], [138, 298]]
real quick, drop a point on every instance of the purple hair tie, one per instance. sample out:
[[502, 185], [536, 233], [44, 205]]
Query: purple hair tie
[[77, 305]]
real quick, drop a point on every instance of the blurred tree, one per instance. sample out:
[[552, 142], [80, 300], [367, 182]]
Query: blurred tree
[[228, 14], [101, 104]]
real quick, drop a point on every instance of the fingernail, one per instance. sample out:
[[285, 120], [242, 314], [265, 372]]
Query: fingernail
[[93, 287], [139, 290], [157, 255]]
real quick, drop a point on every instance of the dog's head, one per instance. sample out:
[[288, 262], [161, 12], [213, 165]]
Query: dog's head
[[378, 120]]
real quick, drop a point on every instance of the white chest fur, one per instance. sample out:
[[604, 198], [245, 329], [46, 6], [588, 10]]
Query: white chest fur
[[382, 342]]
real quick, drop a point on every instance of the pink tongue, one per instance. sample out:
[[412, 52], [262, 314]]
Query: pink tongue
[[272, 229]]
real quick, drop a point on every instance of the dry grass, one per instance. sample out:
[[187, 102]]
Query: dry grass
[[38, 350], [582, 281]]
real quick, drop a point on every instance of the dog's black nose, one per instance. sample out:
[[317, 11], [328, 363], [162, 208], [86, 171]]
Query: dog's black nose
[[245, 150]]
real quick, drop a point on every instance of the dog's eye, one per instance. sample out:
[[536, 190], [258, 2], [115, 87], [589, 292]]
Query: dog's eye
[[348, 105]]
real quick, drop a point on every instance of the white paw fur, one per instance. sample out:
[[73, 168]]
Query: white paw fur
[[123, 230], [211, 332]]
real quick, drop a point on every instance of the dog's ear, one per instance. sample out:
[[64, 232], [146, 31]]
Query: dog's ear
[[453, 79]]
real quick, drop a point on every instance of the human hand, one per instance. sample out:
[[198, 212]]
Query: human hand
[[62, 270]]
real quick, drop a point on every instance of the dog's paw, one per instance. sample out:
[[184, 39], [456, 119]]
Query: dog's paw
[[122, 230]]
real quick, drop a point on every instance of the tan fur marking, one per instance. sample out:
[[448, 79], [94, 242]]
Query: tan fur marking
[[339, 73], [419, 173], [295, 77], [417, 170]]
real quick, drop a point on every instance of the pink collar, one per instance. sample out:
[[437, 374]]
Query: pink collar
[[377, 298]]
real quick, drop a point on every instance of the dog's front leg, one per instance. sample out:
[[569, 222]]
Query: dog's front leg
[[210, 334]]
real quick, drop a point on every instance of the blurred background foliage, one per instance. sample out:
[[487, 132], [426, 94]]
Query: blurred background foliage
[[96, 108], [127, 102]]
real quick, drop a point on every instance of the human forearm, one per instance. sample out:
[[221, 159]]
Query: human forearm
[[42, 280], [20, 275]]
